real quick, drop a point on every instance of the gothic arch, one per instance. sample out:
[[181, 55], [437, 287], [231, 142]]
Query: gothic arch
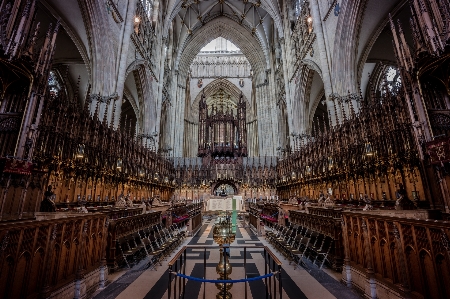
[[212, 88], [313, 65], [231, 183], [230, 30], [135, 65], [345, 54], [374, 37], [72, 33], [314, 106], [135, 104]]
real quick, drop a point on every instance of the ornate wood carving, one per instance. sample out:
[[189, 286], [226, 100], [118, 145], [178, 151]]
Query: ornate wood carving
[[329, 226], [412, 254], [125, 226], [37, 257]]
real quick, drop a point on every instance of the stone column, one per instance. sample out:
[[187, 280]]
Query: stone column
[[159, 86], [260, 120], [178, 119], [324, 63], [286, 83], [273, 114], [125, 37]]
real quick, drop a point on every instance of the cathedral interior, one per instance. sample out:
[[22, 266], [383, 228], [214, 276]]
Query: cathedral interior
[[224, 149]]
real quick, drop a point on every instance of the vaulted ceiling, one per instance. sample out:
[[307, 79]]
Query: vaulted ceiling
[[255, 20]]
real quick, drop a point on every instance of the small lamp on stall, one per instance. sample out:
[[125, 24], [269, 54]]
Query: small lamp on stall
[[80, 151], [368, 149], [119, 164]]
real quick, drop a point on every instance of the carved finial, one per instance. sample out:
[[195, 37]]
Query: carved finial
[[113, 115], [33, 40], [77, 90], [325, 131], [329, 118], [129, 127], [352, 111], [105, 114], [344, 116], [87, 100], [96, 110], [336, 112], [313, 129]]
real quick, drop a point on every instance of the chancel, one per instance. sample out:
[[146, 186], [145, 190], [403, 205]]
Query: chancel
[[224, 149]]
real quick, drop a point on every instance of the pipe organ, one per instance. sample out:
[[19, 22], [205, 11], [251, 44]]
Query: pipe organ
[[221, 132]]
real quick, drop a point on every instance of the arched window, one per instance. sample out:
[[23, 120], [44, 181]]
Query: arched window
[[393, 80], [148, 7], [54, 85]]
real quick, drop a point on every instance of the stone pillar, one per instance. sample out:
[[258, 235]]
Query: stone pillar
[[286, 84], [273, 113], [324, 62], [125, 37]]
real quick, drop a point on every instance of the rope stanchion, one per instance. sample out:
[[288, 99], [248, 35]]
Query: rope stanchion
[[224, 281]]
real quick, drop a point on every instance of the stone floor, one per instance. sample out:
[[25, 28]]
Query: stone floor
[[140, 282]]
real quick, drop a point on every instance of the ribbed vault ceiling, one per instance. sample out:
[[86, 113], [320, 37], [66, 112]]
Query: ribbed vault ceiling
[[250, 13], [222, 27], [249, 24]]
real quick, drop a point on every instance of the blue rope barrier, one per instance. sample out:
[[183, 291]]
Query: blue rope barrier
[[224, 281]]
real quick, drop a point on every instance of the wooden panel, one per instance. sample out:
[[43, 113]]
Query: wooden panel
[[413, 254], [40, 256]]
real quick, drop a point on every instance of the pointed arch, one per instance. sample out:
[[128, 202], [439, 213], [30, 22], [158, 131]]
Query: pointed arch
[[211, 89], [223, 27]]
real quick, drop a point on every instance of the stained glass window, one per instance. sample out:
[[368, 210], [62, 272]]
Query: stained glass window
[[53, 83], [393, 80]]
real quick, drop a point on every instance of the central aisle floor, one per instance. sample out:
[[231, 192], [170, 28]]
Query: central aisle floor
[[139, 282]]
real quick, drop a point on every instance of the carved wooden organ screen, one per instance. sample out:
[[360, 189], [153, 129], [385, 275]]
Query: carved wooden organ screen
[[221, 132]]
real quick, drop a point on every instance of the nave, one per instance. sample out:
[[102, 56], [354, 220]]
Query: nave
[[300, 283]]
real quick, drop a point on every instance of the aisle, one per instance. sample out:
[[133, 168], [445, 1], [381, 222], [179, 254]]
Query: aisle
[[141, 283]]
